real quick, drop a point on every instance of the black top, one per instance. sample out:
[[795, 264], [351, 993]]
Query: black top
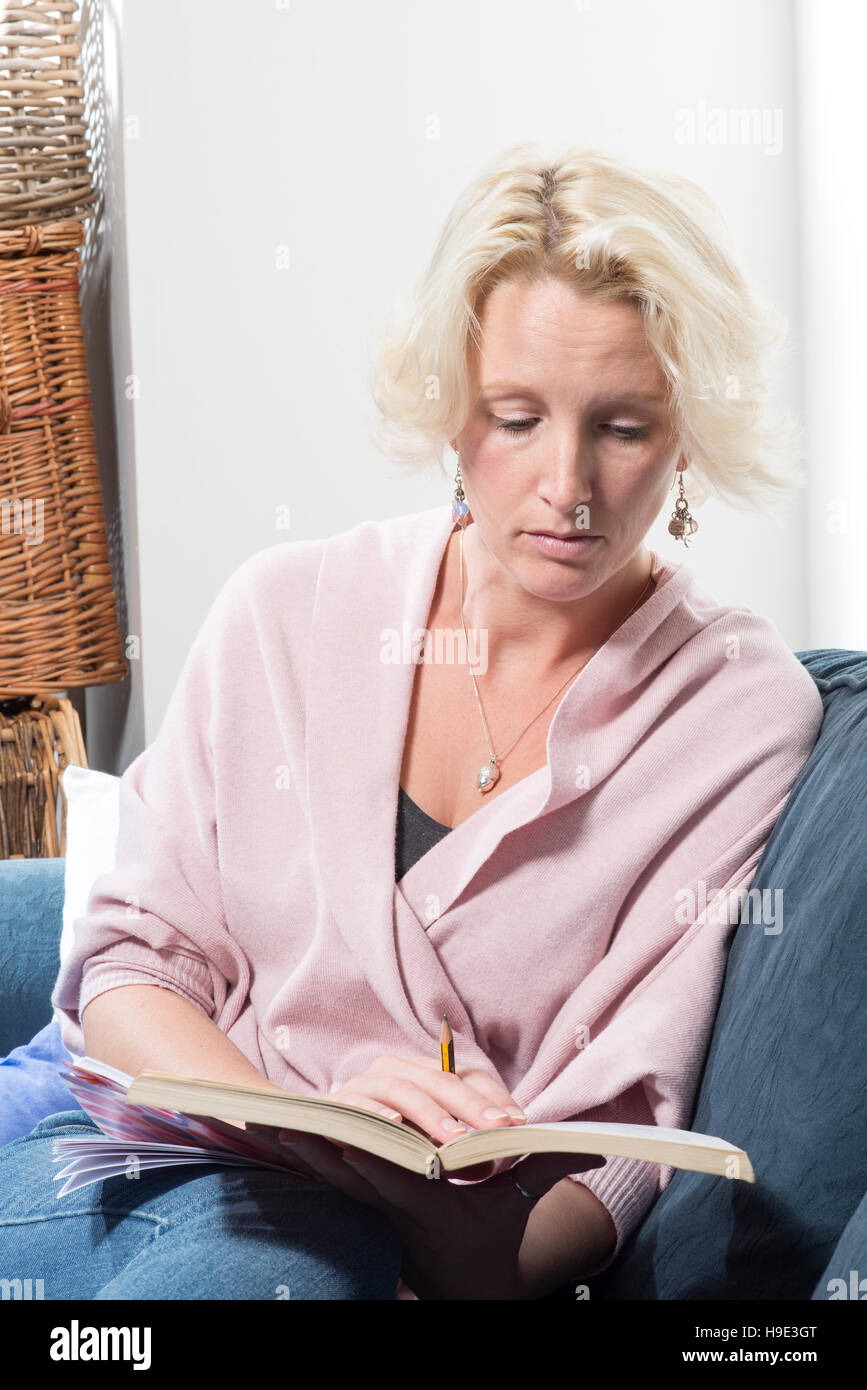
[[415, 833]]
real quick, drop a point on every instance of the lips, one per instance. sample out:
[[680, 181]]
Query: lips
[[566, 535]]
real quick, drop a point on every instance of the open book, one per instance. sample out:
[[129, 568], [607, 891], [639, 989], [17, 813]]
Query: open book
[[159, 1120]]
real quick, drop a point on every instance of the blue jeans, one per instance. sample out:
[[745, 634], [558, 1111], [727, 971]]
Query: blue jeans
[[198, 1232]]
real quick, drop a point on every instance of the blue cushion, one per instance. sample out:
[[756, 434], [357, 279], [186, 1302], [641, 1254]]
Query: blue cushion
[[786, 1070], [30, 1083], [31, 916]]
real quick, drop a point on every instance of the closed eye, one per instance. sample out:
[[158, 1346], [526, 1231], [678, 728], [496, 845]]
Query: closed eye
[[516, 426], [627, 434], [624, 434]]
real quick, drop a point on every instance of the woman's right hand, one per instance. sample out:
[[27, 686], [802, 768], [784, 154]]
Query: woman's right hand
[[442, 1104]]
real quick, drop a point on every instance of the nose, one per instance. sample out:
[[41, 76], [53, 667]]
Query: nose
[[565, 480]]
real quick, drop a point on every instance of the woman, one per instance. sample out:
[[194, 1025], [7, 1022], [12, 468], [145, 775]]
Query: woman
[[349, 826]]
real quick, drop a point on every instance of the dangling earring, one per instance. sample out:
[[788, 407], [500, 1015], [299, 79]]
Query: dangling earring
[[682, 524], [460, 506]]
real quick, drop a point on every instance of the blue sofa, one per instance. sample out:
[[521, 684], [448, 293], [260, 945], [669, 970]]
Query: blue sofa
[[784, 1075]]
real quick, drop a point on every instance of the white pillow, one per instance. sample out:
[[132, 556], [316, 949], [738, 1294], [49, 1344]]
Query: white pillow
[[91, 838]]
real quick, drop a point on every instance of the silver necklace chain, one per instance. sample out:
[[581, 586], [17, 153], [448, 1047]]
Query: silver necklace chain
[[490, 772]]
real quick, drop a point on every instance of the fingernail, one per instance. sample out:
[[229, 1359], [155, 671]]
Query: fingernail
[[515, 1112], [492, 1113], [452, 1125], [389, 1114]]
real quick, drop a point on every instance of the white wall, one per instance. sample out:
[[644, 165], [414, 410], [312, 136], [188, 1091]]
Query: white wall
[[832, 41], [307, 125]]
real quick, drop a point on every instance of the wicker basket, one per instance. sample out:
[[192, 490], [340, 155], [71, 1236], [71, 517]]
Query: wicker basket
[[39, 737], [44, 158], [58, 614]]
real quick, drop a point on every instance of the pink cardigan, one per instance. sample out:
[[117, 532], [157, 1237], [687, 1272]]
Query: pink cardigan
[[574, 929]]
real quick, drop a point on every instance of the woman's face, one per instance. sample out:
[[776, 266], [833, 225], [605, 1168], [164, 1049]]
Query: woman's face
[[570, 431]]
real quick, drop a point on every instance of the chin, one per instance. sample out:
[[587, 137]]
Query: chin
[[555, 582]]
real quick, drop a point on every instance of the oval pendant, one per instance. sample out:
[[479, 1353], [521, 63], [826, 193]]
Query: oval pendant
[[488, 775]]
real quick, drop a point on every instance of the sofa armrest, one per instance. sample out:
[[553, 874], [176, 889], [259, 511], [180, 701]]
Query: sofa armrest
[[31, 918], [845, 1274]]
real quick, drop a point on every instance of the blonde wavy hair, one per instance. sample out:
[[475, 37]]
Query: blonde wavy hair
[[613, 230]]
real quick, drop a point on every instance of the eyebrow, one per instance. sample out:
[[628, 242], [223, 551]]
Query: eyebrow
[[503, 388]]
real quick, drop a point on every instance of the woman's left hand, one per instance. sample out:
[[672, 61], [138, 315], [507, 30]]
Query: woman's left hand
[[460, 1241]]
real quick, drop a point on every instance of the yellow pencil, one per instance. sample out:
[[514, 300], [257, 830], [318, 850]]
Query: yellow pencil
[[447, 1046]]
